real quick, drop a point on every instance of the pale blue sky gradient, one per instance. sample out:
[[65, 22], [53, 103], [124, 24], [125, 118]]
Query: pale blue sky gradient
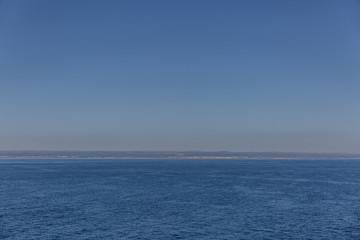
[[180, 75]]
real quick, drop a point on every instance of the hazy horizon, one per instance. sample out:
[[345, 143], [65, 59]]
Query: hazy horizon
[[172, 151], [241, 76]]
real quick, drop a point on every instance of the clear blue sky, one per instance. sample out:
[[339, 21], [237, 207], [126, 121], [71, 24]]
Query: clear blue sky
[[180, 75]]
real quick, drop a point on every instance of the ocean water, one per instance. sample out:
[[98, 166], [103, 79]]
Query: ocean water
[[179, 199]]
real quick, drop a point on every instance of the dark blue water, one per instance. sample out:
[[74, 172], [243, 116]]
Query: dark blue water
[[179, 199]]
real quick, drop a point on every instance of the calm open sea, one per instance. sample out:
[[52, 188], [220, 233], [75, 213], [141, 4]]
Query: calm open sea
[[179, 199]]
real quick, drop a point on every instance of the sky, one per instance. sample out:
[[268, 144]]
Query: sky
[[180, 75]]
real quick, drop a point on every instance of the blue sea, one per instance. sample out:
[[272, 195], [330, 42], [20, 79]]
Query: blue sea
[[179, 199]]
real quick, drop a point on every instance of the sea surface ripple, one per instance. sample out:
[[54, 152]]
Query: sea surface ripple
[[179, 199]]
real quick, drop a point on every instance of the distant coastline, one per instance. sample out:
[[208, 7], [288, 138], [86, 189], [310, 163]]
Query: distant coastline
[[172, 155]]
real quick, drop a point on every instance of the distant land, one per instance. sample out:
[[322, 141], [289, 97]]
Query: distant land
[[175, 154]]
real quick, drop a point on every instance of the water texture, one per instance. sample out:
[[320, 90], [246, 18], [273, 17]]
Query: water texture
[[179, 199]]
